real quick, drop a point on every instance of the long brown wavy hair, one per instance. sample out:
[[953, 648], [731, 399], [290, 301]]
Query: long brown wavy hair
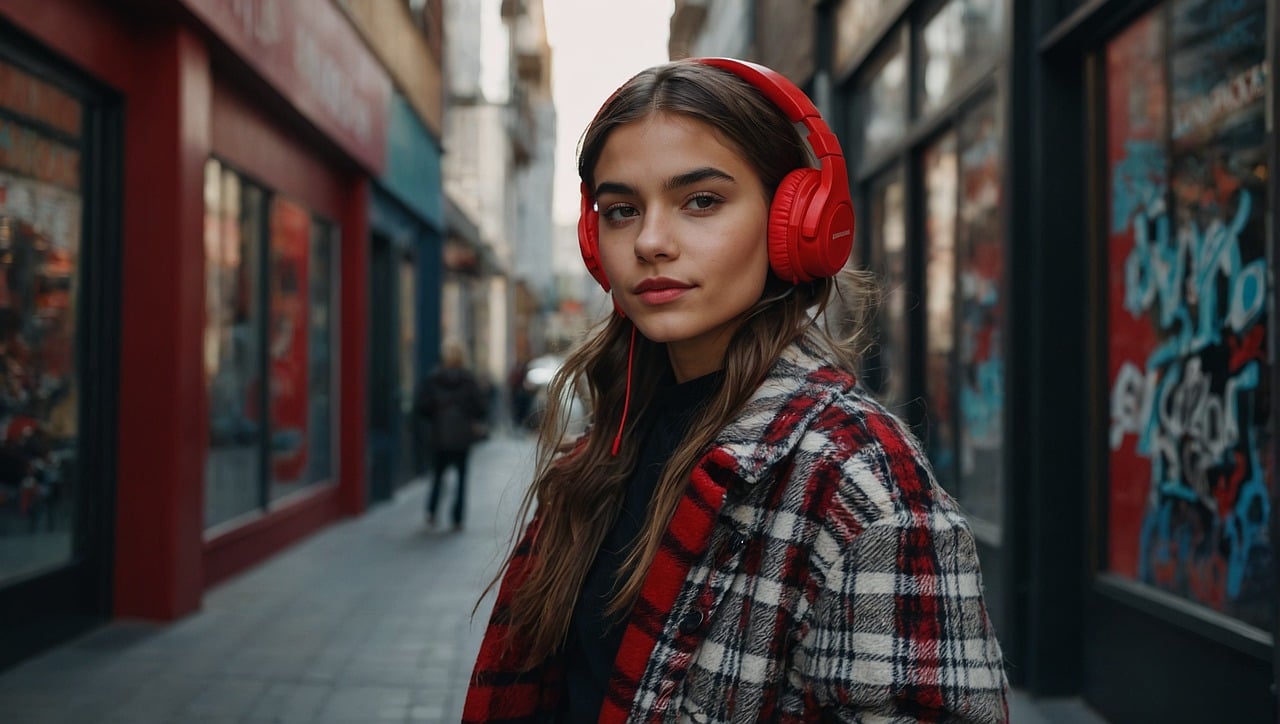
[[576, 495]]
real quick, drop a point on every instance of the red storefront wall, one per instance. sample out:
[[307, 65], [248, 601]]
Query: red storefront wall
[[178, 110]]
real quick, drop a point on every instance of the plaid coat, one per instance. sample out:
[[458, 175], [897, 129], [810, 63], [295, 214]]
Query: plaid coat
[[813, 570]]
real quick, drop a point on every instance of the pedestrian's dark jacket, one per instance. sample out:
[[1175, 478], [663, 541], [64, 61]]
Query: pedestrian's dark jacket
[[814, 565], [454, 406]]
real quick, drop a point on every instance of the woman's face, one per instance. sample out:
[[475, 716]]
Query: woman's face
[[683, 228]]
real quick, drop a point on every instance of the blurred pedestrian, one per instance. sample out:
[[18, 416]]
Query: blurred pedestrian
[[521, 396], [454, 407], [742, 534]]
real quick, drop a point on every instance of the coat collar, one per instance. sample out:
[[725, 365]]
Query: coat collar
[[796, 390]]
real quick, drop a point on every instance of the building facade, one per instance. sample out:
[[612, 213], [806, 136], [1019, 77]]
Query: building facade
[[191, 193], [407, 233], [1070, 209], [498, 163]]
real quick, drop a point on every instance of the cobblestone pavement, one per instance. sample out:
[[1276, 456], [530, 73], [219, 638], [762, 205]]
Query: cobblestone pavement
[[369, 620]]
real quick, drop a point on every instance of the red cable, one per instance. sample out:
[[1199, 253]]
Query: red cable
[[626, 401]]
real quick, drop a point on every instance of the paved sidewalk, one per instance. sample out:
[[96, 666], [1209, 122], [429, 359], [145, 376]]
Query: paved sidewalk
[[367, 621]]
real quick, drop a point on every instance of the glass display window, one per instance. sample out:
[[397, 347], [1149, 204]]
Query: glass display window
[[883, 101], [41, 223], [938, 170], [320, 353], [856, 21], [232, 344], [300, 348], [963, 37], [980, 309], [1189, 485], [888, 260], [270, 321]]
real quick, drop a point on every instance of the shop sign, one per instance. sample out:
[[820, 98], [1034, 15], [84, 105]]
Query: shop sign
[[314, 58]]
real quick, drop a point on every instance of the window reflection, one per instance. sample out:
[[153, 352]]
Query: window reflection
[[320, 354], [855, 21], [939, 172], [889, 262], [956, 40], [1188, 191], [300, 348], [233, 222], [280, 334], [980, 345], [884, 100], [40, 229]]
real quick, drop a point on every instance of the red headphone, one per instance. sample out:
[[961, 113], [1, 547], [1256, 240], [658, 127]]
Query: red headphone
[[811, 218]]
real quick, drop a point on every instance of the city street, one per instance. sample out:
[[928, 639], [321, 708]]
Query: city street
[[367, 621]]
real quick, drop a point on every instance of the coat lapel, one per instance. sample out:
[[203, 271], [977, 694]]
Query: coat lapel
[[795, 391]]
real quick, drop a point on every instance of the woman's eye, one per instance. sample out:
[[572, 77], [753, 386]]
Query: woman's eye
[[619, 212], [703, 202]]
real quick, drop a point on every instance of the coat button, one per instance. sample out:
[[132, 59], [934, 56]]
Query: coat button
[[692, 621]]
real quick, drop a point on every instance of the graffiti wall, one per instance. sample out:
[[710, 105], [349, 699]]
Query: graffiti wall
[[1189, 493]]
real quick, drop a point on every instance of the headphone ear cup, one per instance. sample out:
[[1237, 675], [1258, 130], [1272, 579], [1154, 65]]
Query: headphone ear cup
[[785, 214], [589, 240]]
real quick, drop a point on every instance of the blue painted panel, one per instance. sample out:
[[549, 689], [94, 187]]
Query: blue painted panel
[[413, 164]]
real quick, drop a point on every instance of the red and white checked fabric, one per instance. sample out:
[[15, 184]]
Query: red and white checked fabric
[[814, 570]]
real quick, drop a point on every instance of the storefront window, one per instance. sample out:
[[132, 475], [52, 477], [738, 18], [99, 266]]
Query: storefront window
[[939, 173], [884, 102], [959, 39], [320, 353], [1189, 374], [41, 196], [888, 246], [979, 343], [856, 20], [252, 239], [233, 322], [300, 348]]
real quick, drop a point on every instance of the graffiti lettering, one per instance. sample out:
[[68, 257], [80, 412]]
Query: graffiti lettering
[[1209, 505]]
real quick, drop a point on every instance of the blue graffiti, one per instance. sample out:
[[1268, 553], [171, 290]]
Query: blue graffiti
[[1243, 529], [1161, 268], [1136, 183], [982, 402], [1192, 436]]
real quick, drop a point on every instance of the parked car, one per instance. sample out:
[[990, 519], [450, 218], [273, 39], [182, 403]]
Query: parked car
[[537, 379]]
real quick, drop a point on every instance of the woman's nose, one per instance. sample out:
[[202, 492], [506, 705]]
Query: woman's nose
[[655, 239]]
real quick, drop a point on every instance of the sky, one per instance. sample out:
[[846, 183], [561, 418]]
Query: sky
[[596, 46]]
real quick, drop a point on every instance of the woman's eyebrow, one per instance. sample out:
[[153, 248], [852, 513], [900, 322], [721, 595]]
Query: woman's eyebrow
[[613, 187], [695, 176], [687, 178]]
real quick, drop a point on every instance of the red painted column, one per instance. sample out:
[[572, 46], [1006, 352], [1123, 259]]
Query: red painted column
[[163, 432], [354, 345]]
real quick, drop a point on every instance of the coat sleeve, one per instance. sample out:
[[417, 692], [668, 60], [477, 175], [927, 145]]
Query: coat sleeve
[[899, 631], [503, 690]]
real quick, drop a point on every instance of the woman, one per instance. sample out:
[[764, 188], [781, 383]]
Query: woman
[[743, 534]]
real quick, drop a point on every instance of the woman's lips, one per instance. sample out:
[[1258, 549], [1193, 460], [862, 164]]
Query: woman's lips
[[662, 295], [660, 290]]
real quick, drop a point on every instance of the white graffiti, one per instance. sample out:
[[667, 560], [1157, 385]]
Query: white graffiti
[[1182, 426]]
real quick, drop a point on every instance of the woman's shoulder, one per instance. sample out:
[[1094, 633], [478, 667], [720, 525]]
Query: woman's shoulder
[[879, 463]]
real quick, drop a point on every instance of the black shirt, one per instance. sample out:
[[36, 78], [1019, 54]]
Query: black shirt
[[594, 638]]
